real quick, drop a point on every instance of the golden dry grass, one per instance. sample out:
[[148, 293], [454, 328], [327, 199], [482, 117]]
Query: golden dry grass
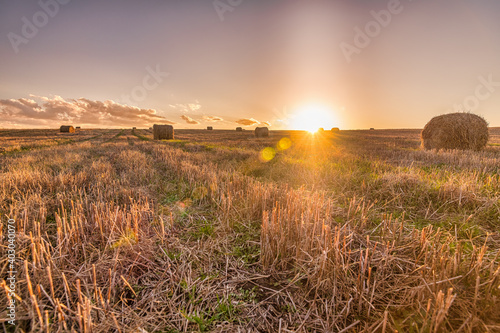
[[352, 231]]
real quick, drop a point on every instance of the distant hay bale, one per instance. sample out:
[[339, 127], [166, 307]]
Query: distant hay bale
[[210, 128], [465, 131], [134, 128], [78, 127], [163, 132], [261, 132], [321, 129], [67, 129], [239, 129], [372, 129], [335, 129]]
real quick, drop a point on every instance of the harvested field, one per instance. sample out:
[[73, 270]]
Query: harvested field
[[360, 231]]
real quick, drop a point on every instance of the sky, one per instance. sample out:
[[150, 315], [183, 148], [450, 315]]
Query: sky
[[287, 64]]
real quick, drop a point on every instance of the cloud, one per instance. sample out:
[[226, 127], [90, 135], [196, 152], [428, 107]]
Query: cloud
[[194, 106], [51, 111], [189, 120], [186, 107], [27, 108], [248, 122], [267, 123], [212, 118]]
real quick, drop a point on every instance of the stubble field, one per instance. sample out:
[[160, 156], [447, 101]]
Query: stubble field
[[357, 231]]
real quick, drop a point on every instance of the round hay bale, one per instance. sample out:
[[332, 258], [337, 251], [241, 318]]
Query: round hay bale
[[239, 129], [465, 131], [210, 128], [163, 132], [67, 129], [261, 132], [335, 129]]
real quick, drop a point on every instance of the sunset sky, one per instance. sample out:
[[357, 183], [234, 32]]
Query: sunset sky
[[287, 64]]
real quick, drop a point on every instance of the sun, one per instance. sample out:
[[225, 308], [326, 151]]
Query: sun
[[312, 117]]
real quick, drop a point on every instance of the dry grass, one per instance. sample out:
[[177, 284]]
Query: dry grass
[[359, 231]]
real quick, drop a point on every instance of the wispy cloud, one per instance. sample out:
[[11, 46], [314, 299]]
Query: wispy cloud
[[186, 107], [50, 111], [212, 118], [248, 121], [189, 120], [267, 123]]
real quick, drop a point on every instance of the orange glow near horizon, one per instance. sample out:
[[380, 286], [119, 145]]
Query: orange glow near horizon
[[311, 117]]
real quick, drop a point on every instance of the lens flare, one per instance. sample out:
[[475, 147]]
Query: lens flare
[[284, 144], [267, 154], [199, 193]]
